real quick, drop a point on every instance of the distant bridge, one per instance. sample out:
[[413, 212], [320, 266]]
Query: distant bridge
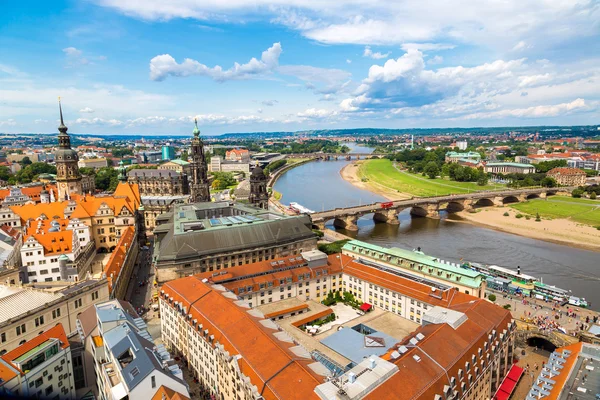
[[346, 218], [337, 156], [527, 331]]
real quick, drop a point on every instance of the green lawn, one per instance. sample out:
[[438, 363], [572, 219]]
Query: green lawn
[[584, 211], [383, 172]]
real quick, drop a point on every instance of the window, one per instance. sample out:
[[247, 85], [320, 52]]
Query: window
[[153, 380], [56, 313], [95, 295], [21, 329], [39, 382], [39, 321], [3, 337], [77, 303], [49, 390]]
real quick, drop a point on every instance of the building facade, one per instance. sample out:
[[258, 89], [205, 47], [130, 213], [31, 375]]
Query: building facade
[[95, 163], [55, 250], [125, 361], [509, 168], [168, 152], [159, 182], [419, 265], [200, 237], [181, 166], [238, 155], [471, 156], [218, 164], [568, 176], [28, 312], [40, 368]]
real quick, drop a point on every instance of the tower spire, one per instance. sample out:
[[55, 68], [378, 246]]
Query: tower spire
[[196, 130], [62, 128]]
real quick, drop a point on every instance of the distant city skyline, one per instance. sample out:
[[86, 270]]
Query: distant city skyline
[[248, 66]]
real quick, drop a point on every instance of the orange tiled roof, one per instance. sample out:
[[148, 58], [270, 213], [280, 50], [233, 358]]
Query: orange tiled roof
[[33, 211], [115, 262], [267, 361], [237, 151], [56, 332], [313, 317], [561, 379], [566, 171], [55, 242], [164, 393], [32, 192], [287, 311]]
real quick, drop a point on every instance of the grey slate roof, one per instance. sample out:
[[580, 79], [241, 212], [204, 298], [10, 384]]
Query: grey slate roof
[[267, 233]]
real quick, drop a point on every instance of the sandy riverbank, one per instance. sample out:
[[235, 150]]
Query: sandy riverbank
[[350, 173], [562, 231]]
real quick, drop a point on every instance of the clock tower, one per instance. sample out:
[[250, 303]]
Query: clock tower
[[68, 178]]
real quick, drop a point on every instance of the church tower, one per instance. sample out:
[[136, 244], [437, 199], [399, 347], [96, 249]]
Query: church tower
[[258, 189], [68, 178], [199, 187]]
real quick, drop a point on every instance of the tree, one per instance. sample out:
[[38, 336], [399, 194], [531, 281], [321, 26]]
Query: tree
[[26, 161], [492, 297], [218, 184], [546, 166], [482, 179], [107, 178], [87, 171], [577, 193], [548, 182], [5, 173], [431, 170], [593, 195]]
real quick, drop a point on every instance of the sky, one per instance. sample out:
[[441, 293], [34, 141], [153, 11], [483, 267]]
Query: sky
[[153, 66]]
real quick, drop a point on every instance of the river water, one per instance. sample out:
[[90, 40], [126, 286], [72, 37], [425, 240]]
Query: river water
[[319, 186]]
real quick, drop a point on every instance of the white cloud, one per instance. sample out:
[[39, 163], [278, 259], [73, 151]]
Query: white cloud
[[97, 121], [377, 56], [348, 61], [86, 110], [269, 103], [164, 65], [427, 46], [533, 112], [521, 46], [319, 80], [8, 122], [72, 51], [315, 113], [435, 60]]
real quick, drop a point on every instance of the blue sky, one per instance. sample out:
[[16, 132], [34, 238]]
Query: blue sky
[[150, 66]]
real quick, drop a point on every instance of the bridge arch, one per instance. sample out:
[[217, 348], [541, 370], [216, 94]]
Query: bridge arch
[[454, 206], [510, 199], [533, 196], [483, 203], [541, 342], [418, 211]]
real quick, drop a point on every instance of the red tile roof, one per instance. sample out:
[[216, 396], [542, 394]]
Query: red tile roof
[[56, 332], [268, 362], [113, 267], [565, 171]]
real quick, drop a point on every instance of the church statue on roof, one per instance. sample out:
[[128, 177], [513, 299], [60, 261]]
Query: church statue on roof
[[199, 186]]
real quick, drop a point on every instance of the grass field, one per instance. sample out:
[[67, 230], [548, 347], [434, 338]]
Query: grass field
[[584, 211], [384, 173]]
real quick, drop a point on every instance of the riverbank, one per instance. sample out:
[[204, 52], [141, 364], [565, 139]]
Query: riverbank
[[561, 231], [351, 174]]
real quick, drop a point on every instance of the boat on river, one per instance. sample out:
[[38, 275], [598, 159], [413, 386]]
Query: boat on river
[[300, 209], [515, 282]]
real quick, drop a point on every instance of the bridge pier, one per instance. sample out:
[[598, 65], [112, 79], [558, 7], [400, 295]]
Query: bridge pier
[[387, 216], [542, 195], [498, 201], [426, 210], [320, 224], [468, 205], [347, 222]]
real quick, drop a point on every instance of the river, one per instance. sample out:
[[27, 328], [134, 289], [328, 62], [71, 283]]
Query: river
[[319, 186]]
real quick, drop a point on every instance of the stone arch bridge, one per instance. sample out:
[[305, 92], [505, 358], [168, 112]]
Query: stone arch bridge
[[337, 156], [346, 218], [527, 331]]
